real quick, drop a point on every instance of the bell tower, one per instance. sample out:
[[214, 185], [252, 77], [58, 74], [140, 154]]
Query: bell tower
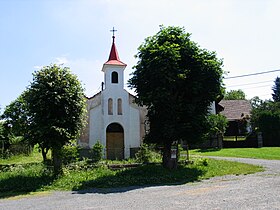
[[113, 68]]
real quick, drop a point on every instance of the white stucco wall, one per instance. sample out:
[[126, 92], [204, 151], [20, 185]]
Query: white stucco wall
[[99, 119], [95, 126], [134, 125]]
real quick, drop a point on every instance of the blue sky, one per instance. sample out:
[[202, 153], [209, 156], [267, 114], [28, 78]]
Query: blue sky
[[33, 33]]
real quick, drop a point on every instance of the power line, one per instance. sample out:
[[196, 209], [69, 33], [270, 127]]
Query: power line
[[256, 87], [246, 84], [253, 74]]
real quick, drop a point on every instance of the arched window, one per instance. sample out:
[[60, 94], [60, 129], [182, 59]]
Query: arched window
[[114, 77], [110, 106], [119, 106]]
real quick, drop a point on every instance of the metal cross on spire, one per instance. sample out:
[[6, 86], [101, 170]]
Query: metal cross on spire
[[113, 32]]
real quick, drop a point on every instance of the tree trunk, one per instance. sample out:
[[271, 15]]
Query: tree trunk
[[44, 154], [188, 154], [57, 161], [167, 161]]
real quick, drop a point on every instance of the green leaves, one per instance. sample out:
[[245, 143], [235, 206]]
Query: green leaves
[[56, 104], [235, 95], [177, 81], [276, 90]]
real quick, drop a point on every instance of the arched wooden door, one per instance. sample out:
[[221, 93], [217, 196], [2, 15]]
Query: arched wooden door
[[115, 141]]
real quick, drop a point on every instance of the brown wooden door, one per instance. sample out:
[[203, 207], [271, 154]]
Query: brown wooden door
[[115, 145]]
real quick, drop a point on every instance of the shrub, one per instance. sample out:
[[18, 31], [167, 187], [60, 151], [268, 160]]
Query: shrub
[[97, 152], [144, 155], [70, 152], [202, 162]]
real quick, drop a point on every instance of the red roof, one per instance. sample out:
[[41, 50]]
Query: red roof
[[114, 56]]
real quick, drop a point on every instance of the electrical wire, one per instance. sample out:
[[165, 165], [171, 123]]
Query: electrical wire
[[246, 84], [253, 74]]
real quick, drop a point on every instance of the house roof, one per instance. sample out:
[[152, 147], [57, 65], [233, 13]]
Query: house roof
[[114, 56], [235, 109]]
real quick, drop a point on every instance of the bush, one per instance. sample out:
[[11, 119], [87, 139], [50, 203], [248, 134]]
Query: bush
[[70, 152], [97, 152], [202, 162], [144, 155]]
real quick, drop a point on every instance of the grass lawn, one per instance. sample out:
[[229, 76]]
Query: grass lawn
[[269, 153], [27, 178], [34, 157]]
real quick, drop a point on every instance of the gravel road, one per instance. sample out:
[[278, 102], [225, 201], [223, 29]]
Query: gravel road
[[254, 191]]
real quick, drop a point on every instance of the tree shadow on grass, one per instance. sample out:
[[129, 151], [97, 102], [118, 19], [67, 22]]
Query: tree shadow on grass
[[140, 177], [22, 184]]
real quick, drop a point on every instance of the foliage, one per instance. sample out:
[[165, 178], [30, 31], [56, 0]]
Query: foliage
[[218, 124], [97, 152], [15, 117], [276, 90], [176, 80], [256, 102], [266, 119], [4, 140], [20, 179], [144, 155], [269, 153], [180, 150], [70, 152], [235, 95], [2, 136], [14, 124], [56, 107], [33, 157]]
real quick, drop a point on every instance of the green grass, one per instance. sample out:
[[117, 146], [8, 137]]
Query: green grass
[[23, 179], [34, 157], [269, 153]]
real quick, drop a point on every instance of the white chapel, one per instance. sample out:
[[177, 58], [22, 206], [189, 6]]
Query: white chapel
[[113, 117]]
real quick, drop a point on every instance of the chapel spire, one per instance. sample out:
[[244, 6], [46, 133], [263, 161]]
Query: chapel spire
[[114, 56]]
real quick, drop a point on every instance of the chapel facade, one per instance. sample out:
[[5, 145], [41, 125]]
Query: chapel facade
[[113, 117]]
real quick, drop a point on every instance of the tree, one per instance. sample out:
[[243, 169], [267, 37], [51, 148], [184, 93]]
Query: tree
[[256, 102], [14, 123], [176, 80], [3, 138], [235, 95], [15, 116], [56, 107], [266, 119], [276, 90]]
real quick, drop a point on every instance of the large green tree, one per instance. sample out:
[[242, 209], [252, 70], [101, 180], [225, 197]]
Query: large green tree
[[276, 90], [177, 81], [56, 107], [235, 95], [266, 118]]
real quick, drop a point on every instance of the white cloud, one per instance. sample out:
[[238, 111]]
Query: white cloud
[[61, 60], [37, 67]]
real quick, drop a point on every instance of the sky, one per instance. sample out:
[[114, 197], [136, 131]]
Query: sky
[[76, 33]]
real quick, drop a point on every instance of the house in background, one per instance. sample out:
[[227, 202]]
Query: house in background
[[237, 113], [113, 117]]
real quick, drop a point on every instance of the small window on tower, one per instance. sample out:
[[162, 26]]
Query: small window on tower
[[110, 106], [119, 106], [115, 77]]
